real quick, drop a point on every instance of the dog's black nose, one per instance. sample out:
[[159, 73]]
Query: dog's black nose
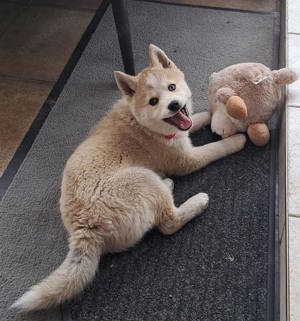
[[174, 105]]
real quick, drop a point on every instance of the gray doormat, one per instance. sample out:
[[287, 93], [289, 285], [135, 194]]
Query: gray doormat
[[213, 269]]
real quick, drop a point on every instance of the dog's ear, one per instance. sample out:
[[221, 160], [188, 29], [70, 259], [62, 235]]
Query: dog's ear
[[157, 58], [126, 83]]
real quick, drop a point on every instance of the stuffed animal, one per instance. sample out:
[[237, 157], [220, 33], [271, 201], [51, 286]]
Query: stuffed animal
[[243, 97]]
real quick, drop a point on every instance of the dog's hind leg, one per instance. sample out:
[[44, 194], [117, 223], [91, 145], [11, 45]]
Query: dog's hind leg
[[200, 120], [148, 202], [174, 218]]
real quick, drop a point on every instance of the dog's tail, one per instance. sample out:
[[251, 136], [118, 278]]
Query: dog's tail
[[76, 271]]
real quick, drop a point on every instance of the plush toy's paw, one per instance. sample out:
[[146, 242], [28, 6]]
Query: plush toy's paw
[[236, 108], [259, 134]]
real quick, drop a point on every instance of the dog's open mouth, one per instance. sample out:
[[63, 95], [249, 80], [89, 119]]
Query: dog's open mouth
[[181, 119]]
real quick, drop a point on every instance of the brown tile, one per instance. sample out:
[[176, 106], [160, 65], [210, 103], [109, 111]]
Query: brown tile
[[8, 12], [25, 2], [39, 43], [19, 104], [253, 5], [76, 4]]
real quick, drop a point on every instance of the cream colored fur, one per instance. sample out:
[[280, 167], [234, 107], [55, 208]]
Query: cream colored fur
[[114, 186]]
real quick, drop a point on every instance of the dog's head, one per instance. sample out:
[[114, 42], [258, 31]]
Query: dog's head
[[158, 96]]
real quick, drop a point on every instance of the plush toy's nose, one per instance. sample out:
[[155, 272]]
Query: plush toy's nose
[[174, 106]]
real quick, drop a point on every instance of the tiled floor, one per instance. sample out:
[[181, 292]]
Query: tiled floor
[[293, 61], [40, 41], [294, 255], [73, 4], [8, 12], [293, 16], [37, 38], [251, 5], [20, 106]]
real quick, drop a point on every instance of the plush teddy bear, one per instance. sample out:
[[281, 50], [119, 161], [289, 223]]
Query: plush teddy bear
[[243, 97]]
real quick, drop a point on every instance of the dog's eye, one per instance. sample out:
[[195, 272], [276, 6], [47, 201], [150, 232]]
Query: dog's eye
[[153, 101], [172, 87]]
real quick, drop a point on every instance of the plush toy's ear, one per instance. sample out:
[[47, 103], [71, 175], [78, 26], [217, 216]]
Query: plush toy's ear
[[126, 83], [284, 76], [157, 58]]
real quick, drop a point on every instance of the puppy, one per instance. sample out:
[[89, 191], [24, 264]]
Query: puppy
[[114, 186]]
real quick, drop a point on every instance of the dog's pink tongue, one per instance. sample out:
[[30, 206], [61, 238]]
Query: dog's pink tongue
[[182, 121]]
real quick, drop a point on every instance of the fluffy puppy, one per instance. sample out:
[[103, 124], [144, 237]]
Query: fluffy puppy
[[114, 186]]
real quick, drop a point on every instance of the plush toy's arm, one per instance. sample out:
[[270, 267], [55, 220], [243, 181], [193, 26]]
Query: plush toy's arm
[[224, 93], [235, 105]]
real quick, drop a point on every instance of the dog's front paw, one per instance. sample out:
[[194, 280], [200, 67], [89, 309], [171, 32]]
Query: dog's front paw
[[237, 142], [206, 117], [222, 131], [240, 140], [200, 120]]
